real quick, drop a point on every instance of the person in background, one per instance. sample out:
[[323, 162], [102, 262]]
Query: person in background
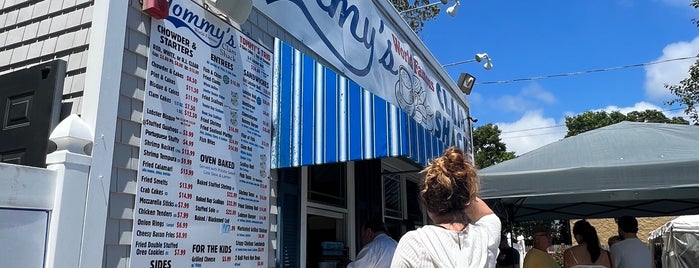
[[509, 256], [538, 256], [630, 252], [613, 239], [378, 247], [464, 233], [588, 252]]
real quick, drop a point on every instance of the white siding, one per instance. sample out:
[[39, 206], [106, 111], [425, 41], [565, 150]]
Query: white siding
[[32, 32]]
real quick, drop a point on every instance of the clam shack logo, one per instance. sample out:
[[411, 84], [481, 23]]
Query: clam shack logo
[[346, 17], [195, 20]]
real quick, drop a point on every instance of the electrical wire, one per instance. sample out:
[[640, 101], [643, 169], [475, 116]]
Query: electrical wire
[[583, 72], [531, 135], [555, 126]]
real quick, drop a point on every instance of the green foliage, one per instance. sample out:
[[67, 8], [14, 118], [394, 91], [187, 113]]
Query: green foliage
[[489, 149], [593, 120], [559, 230], [416, 18], [687, 92]]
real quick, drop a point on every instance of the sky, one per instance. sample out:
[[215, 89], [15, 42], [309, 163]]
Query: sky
[[527, 39]]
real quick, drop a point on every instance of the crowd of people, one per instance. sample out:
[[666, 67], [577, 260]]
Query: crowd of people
[[466, 233]]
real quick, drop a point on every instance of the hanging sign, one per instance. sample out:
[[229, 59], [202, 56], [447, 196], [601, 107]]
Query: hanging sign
[[203, 170]]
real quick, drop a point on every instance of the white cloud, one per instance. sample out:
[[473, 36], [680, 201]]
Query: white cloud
[[528, 98], [475, 98], [657, 75], [537, 92], [531, 131], [642, 106]]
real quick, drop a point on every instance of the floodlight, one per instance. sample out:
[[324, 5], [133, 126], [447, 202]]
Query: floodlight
[[466, 82]]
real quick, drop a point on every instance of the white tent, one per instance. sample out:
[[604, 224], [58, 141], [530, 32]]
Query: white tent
[[640, 169], [677, 242]]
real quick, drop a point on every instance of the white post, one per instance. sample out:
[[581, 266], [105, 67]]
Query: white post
[[72, 166], [99, 110]]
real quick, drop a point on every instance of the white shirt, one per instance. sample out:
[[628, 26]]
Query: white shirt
[[434, 246], [378, 253], [631, 253]]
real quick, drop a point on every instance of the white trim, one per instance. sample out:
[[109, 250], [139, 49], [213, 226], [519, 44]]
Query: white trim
[[312, 204], [99, 111], [348, 213], [24, 187], [326, 213]]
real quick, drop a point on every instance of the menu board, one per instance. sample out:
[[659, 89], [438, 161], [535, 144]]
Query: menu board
[[203, 168]]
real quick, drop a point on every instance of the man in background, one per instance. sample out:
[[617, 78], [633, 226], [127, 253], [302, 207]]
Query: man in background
[[508, 257], [613, 239], [538, 256], [630, 252], [378, 247]]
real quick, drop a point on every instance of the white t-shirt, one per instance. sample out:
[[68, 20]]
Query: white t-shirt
[[434, 246], [377, 254], [631, 253]]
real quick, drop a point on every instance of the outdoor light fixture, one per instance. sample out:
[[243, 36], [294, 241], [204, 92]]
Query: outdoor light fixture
[[235, 10], [479, 57], [450, 10], [466, 82]]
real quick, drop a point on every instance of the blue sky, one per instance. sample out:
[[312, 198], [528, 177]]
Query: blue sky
[[547, 37]]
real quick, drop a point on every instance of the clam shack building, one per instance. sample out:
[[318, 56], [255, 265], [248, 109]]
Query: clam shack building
[[204, 134]]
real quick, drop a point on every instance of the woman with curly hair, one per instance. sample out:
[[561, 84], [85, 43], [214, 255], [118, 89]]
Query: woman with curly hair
[[588, 252], [464, 231]]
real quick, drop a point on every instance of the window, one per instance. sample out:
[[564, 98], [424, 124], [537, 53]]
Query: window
[[327, 184], [393, 204], [413, 198]]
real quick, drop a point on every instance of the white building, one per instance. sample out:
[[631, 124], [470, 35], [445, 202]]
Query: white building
[[219, 143]]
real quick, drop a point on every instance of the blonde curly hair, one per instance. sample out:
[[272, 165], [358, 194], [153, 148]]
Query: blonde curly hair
[[450, 183]]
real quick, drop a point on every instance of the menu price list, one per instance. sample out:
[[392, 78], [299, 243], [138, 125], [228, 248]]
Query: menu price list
[[203, 187]]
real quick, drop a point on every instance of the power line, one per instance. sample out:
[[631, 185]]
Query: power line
[[531, 135], [555, 126], [528, 129], [583, 72]]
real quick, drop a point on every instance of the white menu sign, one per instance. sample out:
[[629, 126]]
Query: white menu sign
[[203, 183]]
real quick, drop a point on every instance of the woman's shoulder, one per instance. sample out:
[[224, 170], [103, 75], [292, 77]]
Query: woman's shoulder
[[575, 249], [488, 224], [424, 232]]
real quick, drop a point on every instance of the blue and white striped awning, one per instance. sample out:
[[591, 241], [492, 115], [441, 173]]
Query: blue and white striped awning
[[320, 117]]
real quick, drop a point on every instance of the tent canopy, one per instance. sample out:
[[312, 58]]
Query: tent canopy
[[681, 224], [629, 168], [677, 242]]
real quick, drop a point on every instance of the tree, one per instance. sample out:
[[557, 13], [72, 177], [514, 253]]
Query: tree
[[489, 149], [687, 91], [416, 18], [592, 120]]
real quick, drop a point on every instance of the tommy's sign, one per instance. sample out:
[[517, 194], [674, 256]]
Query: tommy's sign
[[354, 37]]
